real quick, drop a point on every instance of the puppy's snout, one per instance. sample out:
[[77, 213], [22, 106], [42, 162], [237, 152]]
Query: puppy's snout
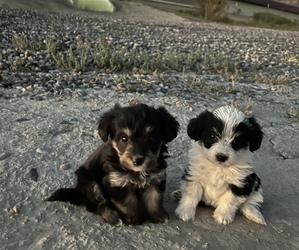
[[221, 157], [138, 160]]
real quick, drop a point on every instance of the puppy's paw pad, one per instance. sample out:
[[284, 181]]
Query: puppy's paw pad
[[184, 214], [176, 195]]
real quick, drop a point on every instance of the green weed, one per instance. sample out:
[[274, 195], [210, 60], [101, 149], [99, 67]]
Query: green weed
[[75, 59], [21, 42], [270, 19]]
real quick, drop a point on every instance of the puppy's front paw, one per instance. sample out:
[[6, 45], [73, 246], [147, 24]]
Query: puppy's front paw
[[114, 219], [97, 192], [132, 219], [223, 218], [176, 195], [111, 216], [185, 214]]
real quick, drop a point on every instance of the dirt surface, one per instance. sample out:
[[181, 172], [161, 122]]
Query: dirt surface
[[125, 9], [43, 140], [44, 5]]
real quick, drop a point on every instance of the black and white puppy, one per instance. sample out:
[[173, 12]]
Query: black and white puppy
[[220, 173], [124, 179]]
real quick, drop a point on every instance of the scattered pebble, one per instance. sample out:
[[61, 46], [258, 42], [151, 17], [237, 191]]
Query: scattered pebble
[[24, 119], [33, 174], [206, 245], [13, 210], [64, 167], [38, 98], [3, 156], [43, 150], [133, 101]]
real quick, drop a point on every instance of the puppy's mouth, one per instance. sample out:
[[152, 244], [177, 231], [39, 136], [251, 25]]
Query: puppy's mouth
[[220, 159], [129, 162], [138, 162]]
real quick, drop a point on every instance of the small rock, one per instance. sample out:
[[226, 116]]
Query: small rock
[[13, 210], [22, 119], [4, 156], [29, 88], [38, 98], [96, 134], [33, 174], [206, 245], [65, 167], [133, 101], [43, 150]]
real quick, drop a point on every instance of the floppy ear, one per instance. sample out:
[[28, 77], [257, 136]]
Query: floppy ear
[[256, 135], [196, 125], [170, 126], [106, 123]]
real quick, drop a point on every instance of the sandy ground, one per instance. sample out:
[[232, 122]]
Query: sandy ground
[[46, 134]]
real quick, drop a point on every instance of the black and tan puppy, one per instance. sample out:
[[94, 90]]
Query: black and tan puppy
[[124, 179]]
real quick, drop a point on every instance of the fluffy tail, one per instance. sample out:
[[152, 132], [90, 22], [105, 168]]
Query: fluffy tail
[[71, 195], [251, 208]]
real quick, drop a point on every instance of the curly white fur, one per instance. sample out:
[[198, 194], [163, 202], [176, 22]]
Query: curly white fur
[[209, 180]]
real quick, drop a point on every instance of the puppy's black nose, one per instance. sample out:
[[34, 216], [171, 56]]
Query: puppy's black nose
[[221, 157], [138, 160]]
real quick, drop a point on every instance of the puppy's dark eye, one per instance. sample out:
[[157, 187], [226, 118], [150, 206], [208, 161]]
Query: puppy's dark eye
[[239, 142], [213, 137], [124, 138]]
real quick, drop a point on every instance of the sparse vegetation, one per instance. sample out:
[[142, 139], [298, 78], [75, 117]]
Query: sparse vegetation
[[75, 59], [82, 56], [14, 65], [262, 20], [219, 63], [188, 12], [293, 59], [22, 42], [244, 106], [214, 10], [270, 20], [109, 58], [272, 80]]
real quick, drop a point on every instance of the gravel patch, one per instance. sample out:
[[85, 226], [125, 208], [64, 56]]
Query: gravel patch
[[264, 55]]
